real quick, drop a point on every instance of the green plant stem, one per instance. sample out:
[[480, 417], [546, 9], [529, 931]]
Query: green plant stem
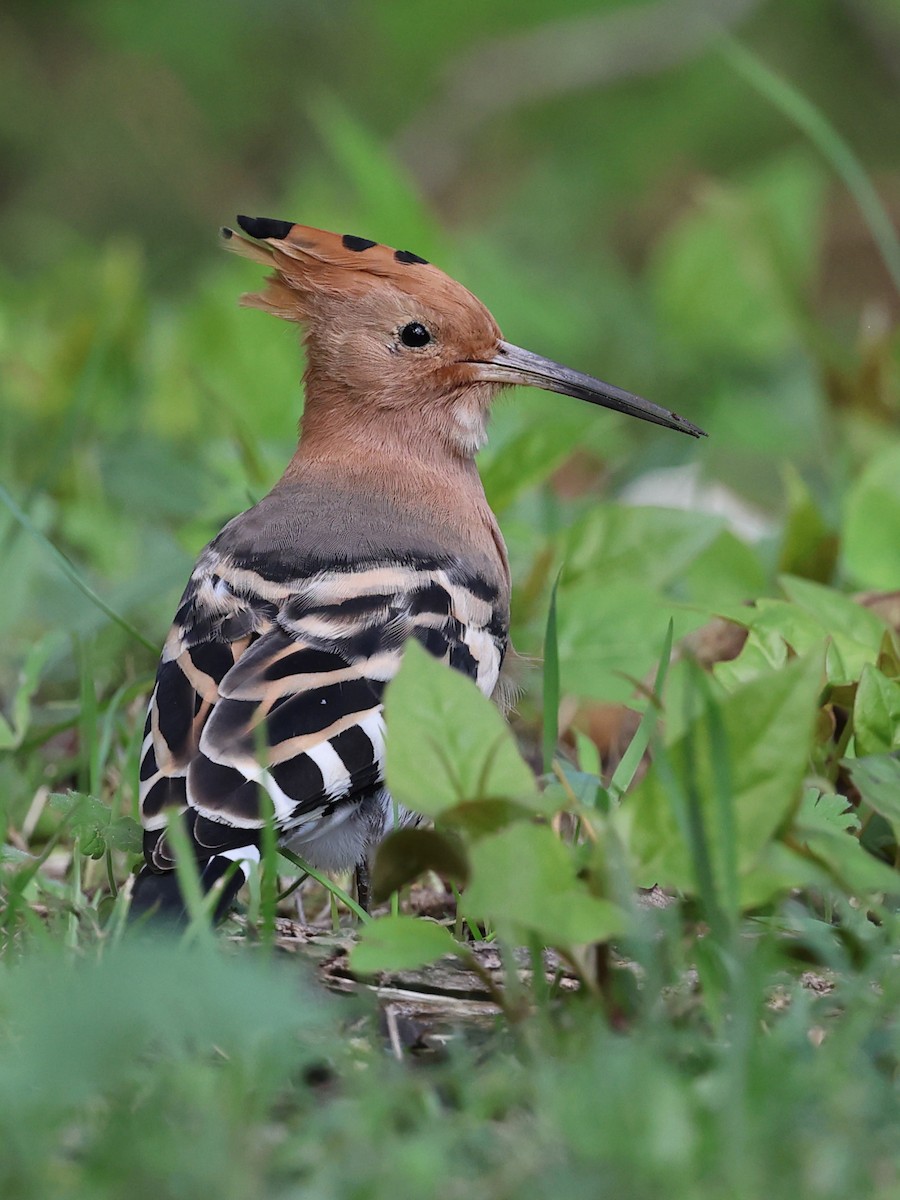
[[292, 887], [829, 142], [199, 907], [110, 873], [496, 993]]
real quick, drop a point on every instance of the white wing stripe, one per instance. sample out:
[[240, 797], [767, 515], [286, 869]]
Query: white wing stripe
[[335, 775]]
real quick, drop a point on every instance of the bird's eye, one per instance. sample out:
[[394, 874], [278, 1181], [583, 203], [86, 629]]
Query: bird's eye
[[414, 334]]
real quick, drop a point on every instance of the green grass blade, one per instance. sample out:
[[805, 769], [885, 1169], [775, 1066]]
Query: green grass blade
[[268, 883], [551, 683], [330, 886], [199, 907], [720, 765], [291, 888], [829, 142], [637, 747], [90, 769], [685, 802]]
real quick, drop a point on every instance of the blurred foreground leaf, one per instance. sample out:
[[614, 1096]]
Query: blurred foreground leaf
[[876, 713], [878, 780], [400, 943], [92, 822]]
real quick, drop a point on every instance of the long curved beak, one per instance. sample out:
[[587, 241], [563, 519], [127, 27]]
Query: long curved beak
[[511, 364]]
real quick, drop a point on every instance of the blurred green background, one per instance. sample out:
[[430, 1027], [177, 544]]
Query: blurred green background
[[603, 175]]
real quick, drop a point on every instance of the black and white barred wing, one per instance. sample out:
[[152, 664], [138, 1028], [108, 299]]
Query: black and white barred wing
[[269, 694]]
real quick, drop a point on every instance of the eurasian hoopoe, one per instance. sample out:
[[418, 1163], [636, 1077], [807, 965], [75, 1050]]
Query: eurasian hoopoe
[[296, 615]]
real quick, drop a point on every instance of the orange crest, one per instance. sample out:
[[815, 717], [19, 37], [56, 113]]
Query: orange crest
[[310, 263]]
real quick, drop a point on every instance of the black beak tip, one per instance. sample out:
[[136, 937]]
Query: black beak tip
[[686, 426]]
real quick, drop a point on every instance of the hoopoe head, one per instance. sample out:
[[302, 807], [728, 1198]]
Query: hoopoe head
[[387, 332]]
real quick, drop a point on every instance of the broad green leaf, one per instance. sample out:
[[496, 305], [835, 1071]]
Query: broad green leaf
[[889, 654], [12, 854], [878, 780], [524, 878], [803, 633], [812, 617], [826, 855], [727, 571], [618, 542], [125, 834], [585, 786], [764, 651], [827, 810], [588, 755], [768, 725], [613, 633], [779, 869], [529, 456], [400, 944], [876, 713], [837, 613], [89, 820], [809, 546], [480, 817], [448, 743], [871, 533], [852, 867], [406, 854]]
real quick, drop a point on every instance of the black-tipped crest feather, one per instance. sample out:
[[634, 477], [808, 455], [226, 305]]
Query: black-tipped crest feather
[[265, 227]]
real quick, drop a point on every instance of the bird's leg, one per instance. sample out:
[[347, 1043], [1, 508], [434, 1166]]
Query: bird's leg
[[363, 884]]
